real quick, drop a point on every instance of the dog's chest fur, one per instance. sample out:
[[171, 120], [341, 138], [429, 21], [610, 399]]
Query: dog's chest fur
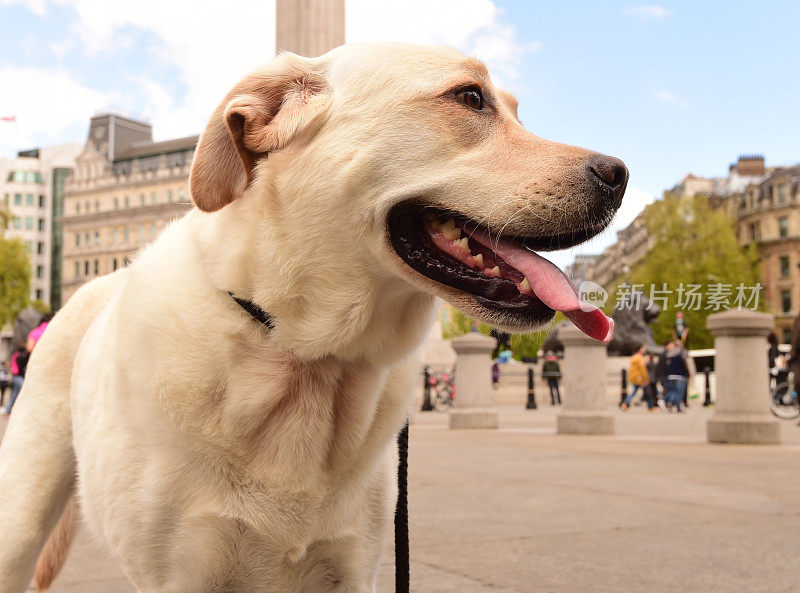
[[290, 447]]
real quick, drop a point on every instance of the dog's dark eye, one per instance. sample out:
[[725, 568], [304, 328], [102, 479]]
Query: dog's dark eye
[[472, 97]]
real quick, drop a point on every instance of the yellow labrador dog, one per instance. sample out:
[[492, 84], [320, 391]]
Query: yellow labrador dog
[[342, 195]]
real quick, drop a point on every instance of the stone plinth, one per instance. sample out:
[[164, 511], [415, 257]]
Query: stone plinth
[[472, 407], [741, 411], [585, 408]]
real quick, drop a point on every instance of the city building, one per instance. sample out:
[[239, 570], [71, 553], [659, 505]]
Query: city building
[[617, 259], [125, 189], [576, 271], [767, 213], [32, 189]]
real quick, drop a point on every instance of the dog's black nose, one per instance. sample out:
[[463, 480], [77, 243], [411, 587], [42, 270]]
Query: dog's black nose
[[611, 172]]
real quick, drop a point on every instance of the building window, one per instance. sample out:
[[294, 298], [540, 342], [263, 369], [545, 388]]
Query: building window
[[787, 335], [86, 267], [77, 207], [152, 232], [97, 205], [38, 294], [141, 233], [786, 301], [77, 269], [127, 202], [17, 199], [169, 195], [153, 198], [783, 226], [114, 236], [141, 199], [86, 239], [17, 223], [97, 237], [125, 235], [29, 223], [181, 195], [116, 203], [96, 267], [41, 201], [29, 199], [755, 231], [40, 248], [39, 271], [41, 224], [781, 194], [114, 265], [784, 266], [88, 206], [77, 239]]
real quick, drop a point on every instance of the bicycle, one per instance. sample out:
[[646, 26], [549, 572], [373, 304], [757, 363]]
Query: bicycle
[[444, 392], [783, 401]]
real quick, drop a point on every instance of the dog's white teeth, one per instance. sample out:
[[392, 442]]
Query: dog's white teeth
[[478, 259], [495, 271], [451, 233], [450, 230], [463, 244], [525, 286]]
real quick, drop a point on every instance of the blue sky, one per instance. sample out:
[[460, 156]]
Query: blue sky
[[669, 87]]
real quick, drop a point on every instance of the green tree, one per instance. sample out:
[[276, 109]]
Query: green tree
[[15, 273], [694, 245]]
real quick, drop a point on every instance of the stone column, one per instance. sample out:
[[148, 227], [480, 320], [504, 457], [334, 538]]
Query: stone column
[[309, 27], [472, 407], [741, 411], [585, 400]]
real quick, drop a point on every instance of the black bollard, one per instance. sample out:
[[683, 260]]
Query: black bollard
[[707, 373], [531, 405], [623, 394], [426, 391]]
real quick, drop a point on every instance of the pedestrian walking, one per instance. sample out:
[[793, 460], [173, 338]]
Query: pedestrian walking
[[677, 376], [651, 393], [551, 371], [19, 362], [794, 355], [637, 375], [680, 329], [5, 380]]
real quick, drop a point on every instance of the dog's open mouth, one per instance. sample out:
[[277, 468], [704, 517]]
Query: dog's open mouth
[[503, 274]]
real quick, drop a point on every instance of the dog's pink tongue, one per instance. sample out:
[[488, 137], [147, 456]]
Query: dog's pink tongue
[[551, 286]]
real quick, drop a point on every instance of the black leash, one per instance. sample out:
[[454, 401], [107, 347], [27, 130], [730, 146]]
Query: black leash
[[402, 567]]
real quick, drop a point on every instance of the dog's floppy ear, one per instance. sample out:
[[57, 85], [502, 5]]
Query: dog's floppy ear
[[261, 114]]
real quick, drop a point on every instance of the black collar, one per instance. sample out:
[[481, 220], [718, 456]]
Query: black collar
[[255, 312]]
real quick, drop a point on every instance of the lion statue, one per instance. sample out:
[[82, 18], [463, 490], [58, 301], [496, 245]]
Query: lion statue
[[632, 317]]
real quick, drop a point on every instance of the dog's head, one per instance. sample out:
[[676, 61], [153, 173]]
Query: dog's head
[[379, 175]]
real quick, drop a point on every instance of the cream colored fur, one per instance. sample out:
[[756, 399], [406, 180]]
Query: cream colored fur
[[211, 454]]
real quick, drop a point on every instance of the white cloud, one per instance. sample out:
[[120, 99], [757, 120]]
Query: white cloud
[[37, 7], [45, 104], [667, 96], [211, 46], [475, 27], [646, 13]]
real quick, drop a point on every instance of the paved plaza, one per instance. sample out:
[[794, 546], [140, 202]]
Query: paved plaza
[[523, 510]]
